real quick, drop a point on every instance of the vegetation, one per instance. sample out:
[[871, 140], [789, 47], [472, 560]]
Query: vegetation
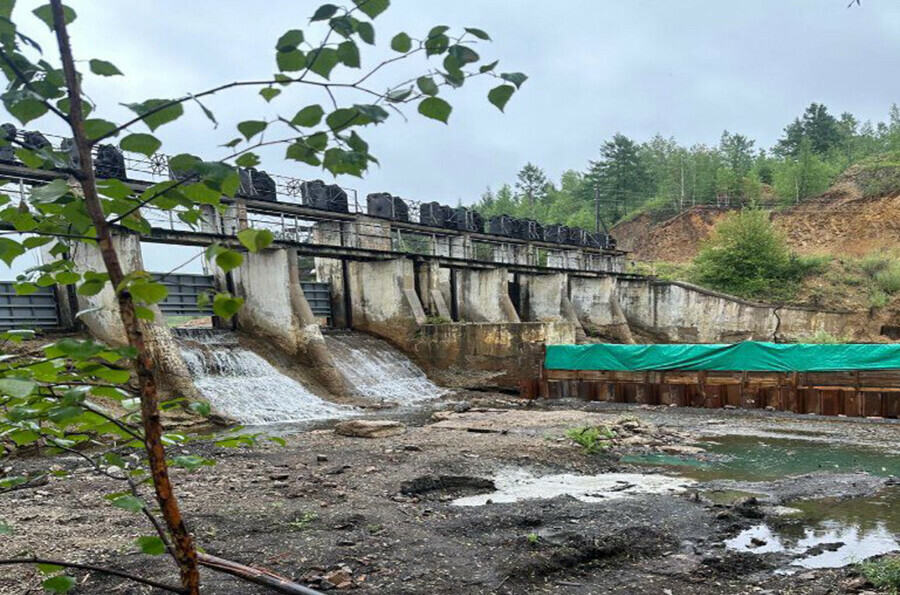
[[53, 399], [883, 573], [662, 177], [592, 439], [747, 256]]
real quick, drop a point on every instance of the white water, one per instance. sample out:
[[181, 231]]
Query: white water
[[379, 371], [514, 485], [242, 385]]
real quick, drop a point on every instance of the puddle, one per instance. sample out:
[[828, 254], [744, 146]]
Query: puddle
[[749, 458], [516, 484], [830, 544]]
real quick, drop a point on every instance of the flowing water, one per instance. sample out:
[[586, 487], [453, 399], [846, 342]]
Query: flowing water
[[244, 386], [377, 370]]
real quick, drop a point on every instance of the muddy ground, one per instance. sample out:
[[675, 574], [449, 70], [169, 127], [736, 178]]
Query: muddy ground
[[376, 515]]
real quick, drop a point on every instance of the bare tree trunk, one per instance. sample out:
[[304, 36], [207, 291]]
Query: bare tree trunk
[[185, 551]]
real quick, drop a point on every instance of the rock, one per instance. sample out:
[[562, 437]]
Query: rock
[[757, 542], [375, 428], [321, 459], [461, 407], [680, 449]]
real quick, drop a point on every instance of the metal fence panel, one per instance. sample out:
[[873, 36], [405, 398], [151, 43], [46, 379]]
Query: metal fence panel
[[318, 295], [36, 310], [183, 292]]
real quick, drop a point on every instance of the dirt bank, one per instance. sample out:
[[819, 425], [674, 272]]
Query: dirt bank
[[377, 515]]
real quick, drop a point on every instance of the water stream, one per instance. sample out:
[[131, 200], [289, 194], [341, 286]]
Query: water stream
[[244, 386], [377, 370]]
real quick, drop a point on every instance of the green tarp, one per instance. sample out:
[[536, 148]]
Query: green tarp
[[748, 356]]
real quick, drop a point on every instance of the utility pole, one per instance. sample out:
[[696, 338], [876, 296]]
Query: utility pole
[[597, 208]]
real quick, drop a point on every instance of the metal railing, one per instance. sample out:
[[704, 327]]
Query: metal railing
[[34, 310]]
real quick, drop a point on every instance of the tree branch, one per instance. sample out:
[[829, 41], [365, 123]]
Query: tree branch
[[110, 571]]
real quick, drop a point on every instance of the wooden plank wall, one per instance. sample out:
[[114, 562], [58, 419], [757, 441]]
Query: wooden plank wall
[[853, 394]]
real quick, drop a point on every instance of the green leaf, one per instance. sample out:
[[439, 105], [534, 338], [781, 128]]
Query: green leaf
[[343, 118], [16, 388], [50, 192], [128, 502], [435, 108], [145, 144], [50, 568], [191, 462], [309, 116], [26, 109], [45, 13], [104, 68], [488, 67], [96, 128], [5, 528], [317, 141], [398, 95], [255, 239], [151, 545], [322, 61], [229, 259], [59, 583], [289, 41], [324, 12], [164, 115], [291, 61], [148, 292], [372, 8], [516, 78], [366, 32], [200, 407], [226, 306], [10, 250], [478, 33], [269, 93], [401, 43], [348, 54], [247, 160], [114, 188], [427, 85], [250, 128], [500, 95]]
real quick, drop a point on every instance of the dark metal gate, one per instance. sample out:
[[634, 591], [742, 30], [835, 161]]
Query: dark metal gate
[[318, 296], [184, 289], [35, 310]]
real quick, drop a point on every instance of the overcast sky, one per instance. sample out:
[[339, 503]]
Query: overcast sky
[[683, 68]]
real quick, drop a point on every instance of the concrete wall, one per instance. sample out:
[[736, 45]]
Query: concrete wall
[[541, 297], [486, 354], [383, 299], [597, 307], [275, 310], [483, 296], [680, 312], [105, 324]]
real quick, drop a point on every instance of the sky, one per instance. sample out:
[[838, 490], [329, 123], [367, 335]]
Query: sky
[[683, 68]]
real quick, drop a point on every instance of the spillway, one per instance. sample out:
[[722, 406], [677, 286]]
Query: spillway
[[378, 371], [242, 385]]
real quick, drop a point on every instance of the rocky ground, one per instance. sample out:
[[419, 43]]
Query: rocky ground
[[342, 512]]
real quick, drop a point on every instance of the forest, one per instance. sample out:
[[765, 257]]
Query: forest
[[662, 177]]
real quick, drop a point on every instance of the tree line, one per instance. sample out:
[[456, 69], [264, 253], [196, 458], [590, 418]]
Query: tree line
[[664, 177]]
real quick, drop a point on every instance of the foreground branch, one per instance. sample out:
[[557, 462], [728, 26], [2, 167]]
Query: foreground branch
[[109, 571], [264, 578]]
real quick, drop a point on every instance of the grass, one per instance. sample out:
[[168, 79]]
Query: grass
[[883, 573], [592, 439], [303, 521]]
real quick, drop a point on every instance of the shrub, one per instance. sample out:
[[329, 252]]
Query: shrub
[[883, 573], [592, 439], [888, 279], [746, 255], [824, 338]]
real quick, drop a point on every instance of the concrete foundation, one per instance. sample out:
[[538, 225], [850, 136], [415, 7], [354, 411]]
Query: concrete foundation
[[483, 296], [105, 324], [487, 354], [276, 311], [596, 305]]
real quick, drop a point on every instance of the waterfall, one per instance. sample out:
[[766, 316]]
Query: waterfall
[[240, 384], [377, 370]]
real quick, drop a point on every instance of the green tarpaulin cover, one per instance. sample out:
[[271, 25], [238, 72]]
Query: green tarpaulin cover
[[748, 356]]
